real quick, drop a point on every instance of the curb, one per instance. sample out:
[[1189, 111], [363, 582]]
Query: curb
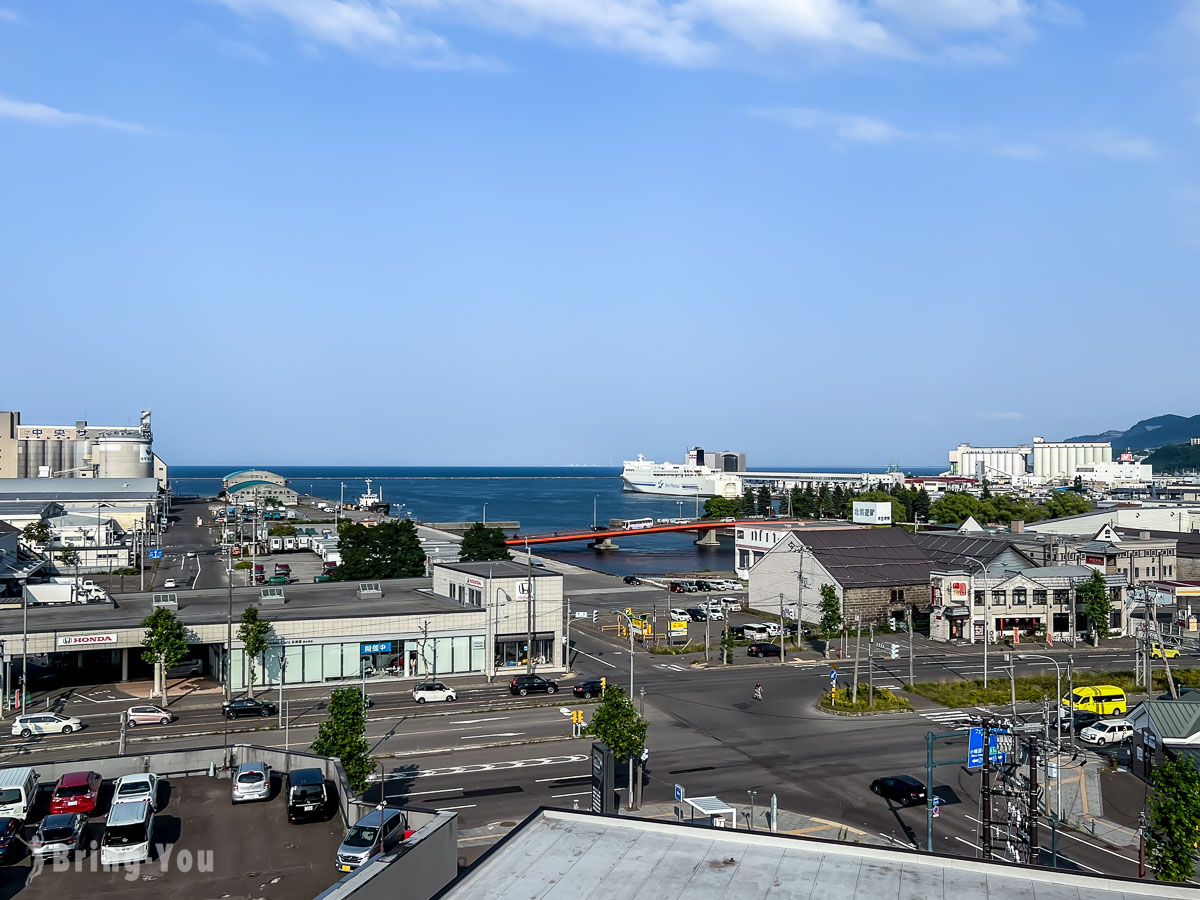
[[403, 754], [864, 713]]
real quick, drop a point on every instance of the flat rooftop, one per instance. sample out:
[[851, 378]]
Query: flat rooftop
[[498, 569], [561, 853], [328, 600], [254, 852]]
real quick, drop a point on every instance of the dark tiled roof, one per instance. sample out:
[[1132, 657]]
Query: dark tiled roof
[[1187, 542], [872, 557], [951, 549]]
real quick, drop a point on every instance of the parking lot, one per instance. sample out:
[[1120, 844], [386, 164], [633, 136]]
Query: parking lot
[[249, 850]]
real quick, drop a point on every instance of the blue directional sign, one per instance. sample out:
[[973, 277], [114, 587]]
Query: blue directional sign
[[156, 554], [679, 793], [975, 749], [833, 676]]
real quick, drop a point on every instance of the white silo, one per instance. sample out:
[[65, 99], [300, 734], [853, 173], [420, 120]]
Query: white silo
[[124, 456]]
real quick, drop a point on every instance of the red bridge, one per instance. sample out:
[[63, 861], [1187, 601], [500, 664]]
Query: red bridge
[[601, 538]]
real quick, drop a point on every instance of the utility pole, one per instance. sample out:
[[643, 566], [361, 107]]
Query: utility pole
[[1034, 857], [783, 630], [529, 612], [857, 643], [229, 629], [871, 666], [908, 616], [1071, 696], [985, 794], [567, 639]]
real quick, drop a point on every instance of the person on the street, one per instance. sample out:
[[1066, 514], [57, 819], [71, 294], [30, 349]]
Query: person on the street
[[758, 691]]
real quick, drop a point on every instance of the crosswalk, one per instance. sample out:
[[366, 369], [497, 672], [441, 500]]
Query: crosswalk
[[670, 667], [950, 718]]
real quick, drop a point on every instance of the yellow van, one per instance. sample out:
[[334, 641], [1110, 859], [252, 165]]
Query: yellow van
[[1102, 699]]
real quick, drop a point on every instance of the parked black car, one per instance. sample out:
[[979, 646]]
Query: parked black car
[[738, 632], [532, 684], [705, 586], [632, 579], [902, 789], [248, 707], [763, 649], [589, 688], [697, 614], [307, 796], [1083, 718]]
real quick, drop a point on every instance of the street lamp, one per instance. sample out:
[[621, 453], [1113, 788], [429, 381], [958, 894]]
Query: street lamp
[[484, 514], [1058, 735], [629, 627], [987, 617]]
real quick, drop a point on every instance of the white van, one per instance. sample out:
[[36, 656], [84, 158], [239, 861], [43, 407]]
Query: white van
[[127, 833], [18, 791]]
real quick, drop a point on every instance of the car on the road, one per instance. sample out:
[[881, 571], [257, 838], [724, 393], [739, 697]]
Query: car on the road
[[191, 554], [715, 613], [248, 706], [679, 615], [762, 649], [588, 688], [1083, 719], [532, 684], [279, 579], [283, 569], [76, 792], [135, 788], [169, 584], [1109, 731], [902, 789], [731, 602], [44, 723], [251, 781], [632, 579], [147, 715], [705, 585], [60, 835], [696, 614], [676, 588], [11, 829], [434, 691], [1158, 651], [689, 587]]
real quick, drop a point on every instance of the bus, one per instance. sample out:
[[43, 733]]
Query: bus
[[635, 524]]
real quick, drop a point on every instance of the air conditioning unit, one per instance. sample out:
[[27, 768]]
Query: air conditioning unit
[[164, 601]]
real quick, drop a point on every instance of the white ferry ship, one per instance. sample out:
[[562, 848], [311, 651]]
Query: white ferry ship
[[644, 476]]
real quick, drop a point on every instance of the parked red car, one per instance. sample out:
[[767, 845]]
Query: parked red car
[[77, 792]]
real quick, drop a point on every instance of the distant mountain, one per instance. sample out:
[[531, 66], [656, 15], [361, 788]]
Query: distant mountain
[[1149, 434], [1175, 459]]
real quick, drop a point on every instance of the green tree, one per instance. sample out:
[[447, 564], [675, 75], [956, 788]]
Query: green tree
[[726, 646], [165, 643], [838, 498], [1097, 605], [824, 502], [389, 550], [482, 544], [254, 633], [921, 504], [1066, 503], [953, 508], [831, 612], [762, 502], [802, 503], [1077, 486], [1174, 826], [616, 722], [748, 504], [1007, 507], [986, 494], [721, 508], [37, 533], [282, 531], [343, 735]]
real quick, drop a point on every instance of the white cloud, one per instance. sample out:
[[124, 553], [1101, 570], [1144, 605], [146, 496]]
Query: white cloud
[[8, 15], [1116, 145], [41, 114], [674, 32], [844, 126], [1000, 416]]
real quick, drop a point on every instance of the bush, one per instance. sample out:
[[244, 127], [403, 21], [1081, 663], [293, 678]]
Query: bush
[[884, 700], [1035, 687], [242, 564], [665, 650]]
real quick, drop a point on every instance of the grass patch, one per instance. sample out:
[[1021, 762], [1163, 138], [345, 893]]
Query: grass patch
[[884, 699], [678, 649], [1035, 687]]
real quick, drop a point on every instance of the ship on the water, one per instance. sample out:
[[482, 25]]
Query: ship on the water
[[374, 502], [690, 479]]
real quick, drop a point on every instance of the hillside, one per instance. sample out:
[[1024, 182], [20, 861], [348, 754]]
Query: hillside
[[1175, 459], [1149, 433]]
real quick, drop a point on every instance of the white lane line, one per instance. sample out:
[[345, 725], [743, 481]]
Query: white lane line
[[589, 656], [468, 806], [576, 794], [479, 737], [559, 778], [1062, 833], [423, 793], [477, 721]]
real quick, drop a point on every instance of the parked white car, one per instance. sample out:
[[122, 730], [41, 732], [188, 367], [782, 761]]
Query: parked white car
[[714, 612], [44, 723], [680, 615], [772, 628], [731, 602], [132, 788], [1109, 731]]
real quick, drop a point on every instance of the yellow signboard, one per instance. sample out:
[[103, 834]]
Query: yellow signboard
[[679, 626]]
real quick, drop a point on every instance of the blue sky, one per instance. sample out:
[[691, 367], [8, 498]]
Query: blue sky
[[565, 231]]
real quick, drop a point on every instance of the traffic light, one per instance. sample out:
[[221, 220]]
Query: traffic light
[[894, 651], [577, 716], [603, 684], [595, 616]]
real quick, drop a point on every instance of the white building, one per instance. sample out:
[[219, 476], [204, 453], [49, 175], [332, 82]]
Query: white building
[[993, 463], [1123, 473], [753, 542], [1060, 459]]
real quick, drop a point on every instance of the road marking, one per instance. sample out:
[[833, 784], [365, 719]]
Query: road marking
[[1062, 833], [477, 721], [474, 737], [473, 768], [438, 791], [557, 778], [468, 806], [576, 794], [589, 656]]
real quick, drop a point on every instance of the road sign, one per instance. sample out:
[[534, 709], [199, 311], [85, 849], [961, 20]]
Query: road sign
[[679, 793], [833, 676], [156, 554], [996, 742], [937, 811]]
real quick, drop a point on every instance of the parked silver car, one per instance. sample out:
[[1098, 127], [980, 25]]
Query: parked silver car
[[251, 781]]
